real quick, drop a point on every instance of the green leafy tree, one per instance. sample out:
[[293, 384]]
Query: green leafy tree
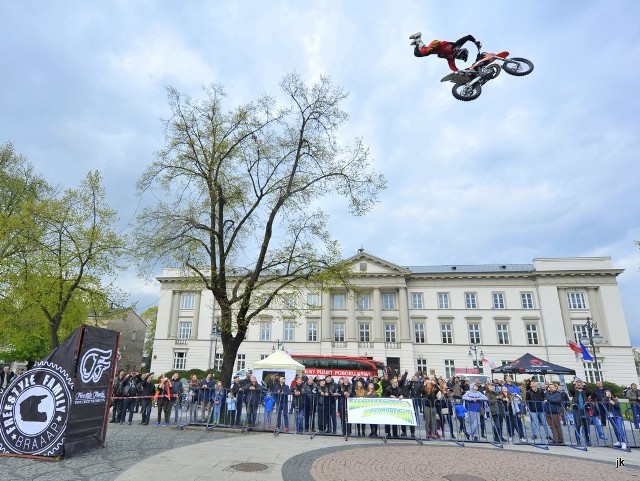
[[20, 187], [238, 197], [64, 271]]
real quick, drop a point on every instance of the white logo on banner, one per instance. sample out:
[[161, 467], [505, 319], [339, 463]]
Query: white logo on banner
[[93, 364], [35, 410]]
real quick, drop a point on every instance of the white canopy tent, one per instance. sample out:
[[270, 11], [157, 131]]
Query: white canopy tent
[[277, 363]]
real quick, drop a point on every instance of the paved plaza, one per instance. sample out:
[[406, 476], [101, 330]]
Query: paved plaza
[[194, 454]]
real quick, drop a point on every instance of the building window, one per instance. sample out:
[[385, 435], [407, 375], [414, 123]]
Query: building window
[[449, 368], [421, 364], [313, 299], [416, 300], [338, 332], [241, 362], [363, 302], [504, 363], [390, 332], [532, 334], [474, 333], [184, 330], [217, 362], [179, 360], [133, 335], [443, 300], [263, 356], [265, 331], [419, 335], [470, 300], [364, 332], [579, 331], [187, 300], [498, 300], [446, 331], [576, 300], [289, 331], [503, 333], [527, 300], [338, 301], [289, 301], [312, 331], [592, 372], [388, 300]]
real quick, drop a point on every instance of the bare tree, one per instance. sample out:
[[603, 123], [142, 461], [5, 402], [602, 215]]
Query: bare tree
[[238, 196]]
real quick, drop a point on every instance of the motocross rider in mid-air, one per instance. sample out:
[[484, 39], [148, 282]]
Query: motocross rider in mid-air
[[449, 50]]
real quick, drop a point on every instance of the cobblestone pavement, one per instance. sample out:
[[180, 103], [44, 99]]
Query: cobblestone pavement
[[449, 463], [138, 452], [125, 446]]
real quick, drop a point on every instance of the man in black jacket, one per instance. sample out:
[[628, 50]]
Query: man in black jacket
[[253, 396], [129, 390], [6, 376], [237, 389], [147, 391], [394, 391], [308, 391], [581, 405], [334, 394], [344, 391], [117, 400], [535, 403]]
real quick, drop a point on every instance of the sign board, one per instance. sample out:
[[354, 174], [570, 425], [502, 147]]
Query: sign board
[[60, 406], [362, 410]]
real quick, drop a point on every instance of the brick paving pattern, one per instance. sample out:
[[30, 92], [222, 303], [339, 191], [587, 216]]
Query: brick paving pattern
[[444, 463]]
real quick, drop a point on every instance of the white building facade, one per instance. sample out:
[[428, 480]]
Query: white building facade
[[419, 318]]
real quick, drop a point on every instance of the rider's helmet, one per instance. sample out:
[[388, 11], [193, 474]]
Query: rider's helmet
[[462, 54]]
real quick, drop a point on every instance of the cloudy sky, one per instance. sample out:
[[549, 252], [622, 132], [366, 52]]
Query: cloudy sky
[[539, 166]]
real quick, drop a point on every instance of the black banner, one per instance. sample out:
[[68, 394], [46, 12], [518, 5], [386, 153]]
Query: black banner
[[42, 411], [86, 429]]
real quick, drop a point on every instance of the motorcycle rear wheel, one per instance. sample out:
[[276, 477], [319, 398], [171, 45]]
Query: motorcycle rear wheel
[[517, 66], [466, 92]]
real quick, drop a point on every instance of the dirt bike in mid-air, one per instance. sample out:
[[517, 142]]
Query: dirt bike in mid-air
[[468, 82]]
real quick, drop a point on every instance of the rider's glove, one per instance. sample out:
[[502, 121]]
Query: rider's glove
[[479, 44]]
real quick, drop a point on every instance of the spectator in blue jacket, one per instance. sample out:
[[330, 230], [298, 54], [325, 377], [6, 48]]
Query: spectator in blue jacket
[[475, 402]]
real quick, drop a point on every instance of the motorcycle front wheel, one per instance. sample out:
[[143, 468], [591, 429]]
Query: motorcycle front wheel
[[466, 92], [517, 66]]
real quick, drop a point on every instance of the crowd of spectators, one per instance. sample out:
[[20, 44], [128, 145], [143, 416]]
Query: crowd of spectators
[[499, 409]]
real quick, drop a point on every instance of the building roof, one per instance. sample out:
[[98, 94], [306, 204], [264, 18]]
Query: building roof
[[471, 269]]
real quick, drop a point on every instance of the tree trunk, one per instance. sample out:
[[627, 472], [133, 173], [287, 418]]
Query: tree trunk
[[230, 346], [53, 333]]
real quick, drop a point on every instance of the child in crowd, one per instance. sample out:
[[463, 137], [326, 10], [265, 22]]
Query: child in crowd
[[231, 407], [461, 412], [268, 410]]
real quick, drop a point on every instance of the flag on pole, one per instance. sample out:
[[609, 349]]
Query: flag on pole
[[574, 346], [492, 364], [585, 354]]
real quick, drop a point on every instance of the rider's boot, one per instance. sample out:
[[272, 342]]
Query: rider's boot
[[418, 43], [415, 36]]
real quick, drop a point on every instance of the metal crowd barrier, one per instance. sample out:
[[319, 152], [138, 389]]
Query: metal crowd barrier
[[538, 424]]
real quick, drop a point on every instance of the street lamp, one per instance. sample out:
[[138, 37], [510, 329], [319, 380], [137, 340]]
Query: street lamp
[[215, 335], [273, 349], [474, 348], [593, 337]]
